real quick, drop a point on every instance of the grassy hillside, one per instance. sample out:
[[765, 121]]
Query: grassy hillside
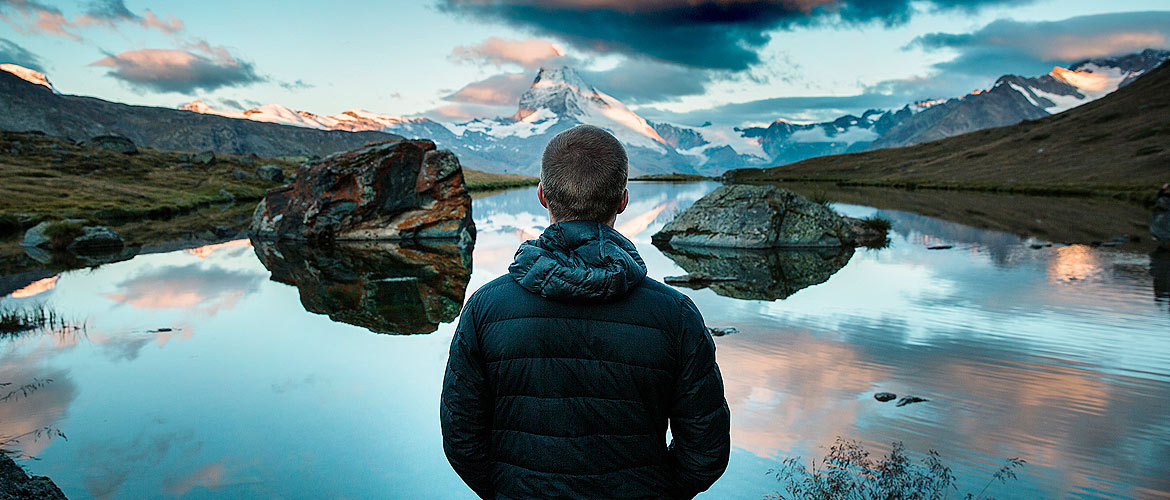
[[487, 181], [1117, 144]]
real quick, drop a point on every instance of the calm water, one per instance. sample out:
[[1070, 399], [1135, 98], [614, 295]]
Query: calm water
[[1060, 356]]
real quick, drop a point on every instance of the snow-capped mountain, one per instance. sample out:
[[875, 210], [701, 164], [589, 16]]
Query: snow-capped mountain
[[1016, 98], [560, 98], [29, 75]]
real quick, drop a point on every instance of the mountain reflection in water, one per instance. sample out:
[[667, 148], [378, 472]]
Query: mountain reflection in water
[[1057, 354], [384, 287]]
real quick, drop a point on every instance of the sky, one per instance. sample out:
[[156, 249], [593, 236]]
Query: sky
[[684, 61]]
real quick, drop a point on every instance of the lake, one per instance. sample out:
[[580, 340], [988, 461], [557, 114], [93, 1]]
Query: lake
[[233, 371]]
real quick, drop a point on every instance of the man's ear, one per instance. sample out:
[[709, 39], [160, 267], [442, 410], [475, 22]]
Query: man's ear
[[625, 201], [544, 202]]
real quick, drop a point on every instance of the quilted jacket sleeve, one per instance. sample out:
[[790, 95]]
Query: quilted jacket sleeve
[[700, 421], [465, 410]]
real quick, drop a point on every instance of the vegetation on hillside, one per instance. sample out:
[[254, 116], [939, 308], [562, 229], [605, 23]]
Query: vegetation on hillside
[[1117, 145], [487, 181]]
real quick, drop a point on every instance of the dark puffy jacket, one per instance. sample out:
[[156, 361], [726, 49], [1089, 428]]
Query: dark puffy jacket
[[564, 373]]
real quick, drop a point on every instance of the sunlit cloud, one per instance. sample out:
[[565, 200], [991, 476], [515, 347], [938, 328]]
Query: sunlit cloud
[[173, 70], [531, 53], [30, 16]]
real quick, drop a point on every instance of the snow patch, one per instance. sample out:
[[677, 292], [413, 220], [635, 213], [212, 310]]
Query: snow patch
[[29, 75]]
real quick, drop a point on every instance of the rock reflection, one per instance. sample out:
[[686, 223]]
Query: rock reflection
[[383, 287], [1160, 269], [759, 274]]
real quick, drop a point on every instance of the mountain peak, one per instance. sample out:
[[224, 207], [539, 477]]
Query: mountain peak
[[560, 90], [29, 75]]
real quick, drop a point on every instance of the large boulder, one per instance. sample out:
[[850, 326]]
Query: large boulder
[[113, 144], [390, 191], [383, 287], [747, 216], [270, 173]]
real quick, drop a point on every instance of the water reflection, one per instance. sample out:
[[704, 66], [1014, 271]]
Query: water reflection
[[250, 396], [759, 274], [384, 287]]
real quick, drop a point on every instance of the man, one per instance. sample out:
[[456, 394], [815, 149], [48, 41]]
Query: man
[[564, 373]]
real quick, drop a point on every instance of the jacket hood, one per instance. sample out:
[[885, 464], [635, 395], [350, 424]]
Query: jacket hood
[[578, 260]]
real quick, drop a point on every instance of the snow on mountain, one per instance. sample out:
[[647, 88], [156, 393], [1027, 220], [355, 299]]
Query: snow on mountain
[[1016, 98], [563, 93], [29, 75]]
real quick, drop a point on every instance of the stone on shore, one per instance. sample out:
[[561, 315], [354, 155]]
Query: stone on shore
[[1160, 221], [389, 191], [113, 144], [15, 484], [270, 173], [748, 216]]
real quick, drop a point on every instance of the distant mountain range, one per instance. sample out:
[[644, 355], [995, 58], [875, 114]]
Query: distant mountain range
[[559, 99], [29, 102], [1119, 143]]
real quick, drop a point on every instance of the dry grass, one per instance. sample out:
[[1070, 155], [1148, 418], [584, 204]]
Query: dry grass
[[51, 177], [487, 181]]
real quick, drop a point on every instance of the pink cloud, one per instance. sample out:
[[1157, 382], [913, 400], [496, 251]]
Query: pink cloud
[[530, 53], [172, 70], [497, 90]]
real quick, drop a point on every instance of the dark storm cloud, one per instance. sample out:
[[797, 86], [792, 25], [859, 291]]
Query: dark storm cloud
[[10, 52], [717, 34], [171, 70]]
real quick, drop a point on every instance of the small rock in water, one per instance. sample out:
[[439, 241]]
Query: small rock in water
[[719, 332], [1095, 243], [910, 399], [162, 330], [940, 247], [1037, 246], [884, 396]]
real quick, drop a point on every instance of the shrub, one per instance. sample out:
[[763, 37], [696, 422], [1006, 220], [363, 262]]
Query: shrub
[[876, 223], [821, 197], [62, 233], [848, 472]]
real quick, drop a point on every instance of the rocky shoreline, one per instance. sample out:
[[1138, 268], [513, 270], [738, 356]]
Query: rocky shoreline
[[16, 484]]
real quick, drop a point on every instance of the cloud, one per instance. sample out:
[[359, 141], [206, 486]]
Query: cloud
[[813, 108], [296, 85], [640, 81], [37, 18], [42, 18], [530, 54], [717, 34], [499, 90], [173, 70], [10, 52], [1026, 48]]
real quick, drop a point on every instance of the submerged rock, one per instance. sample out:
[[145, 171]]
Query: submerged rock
[[112, 143], [15, 484], [383, 287], [1160, 220], [910, 400], [719, 332], [757, 274], [746, 216], [885, 396], [393, 191]]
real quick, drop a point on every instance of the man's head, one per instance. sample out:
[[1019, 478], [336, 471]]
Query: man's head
[[583, 176]]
